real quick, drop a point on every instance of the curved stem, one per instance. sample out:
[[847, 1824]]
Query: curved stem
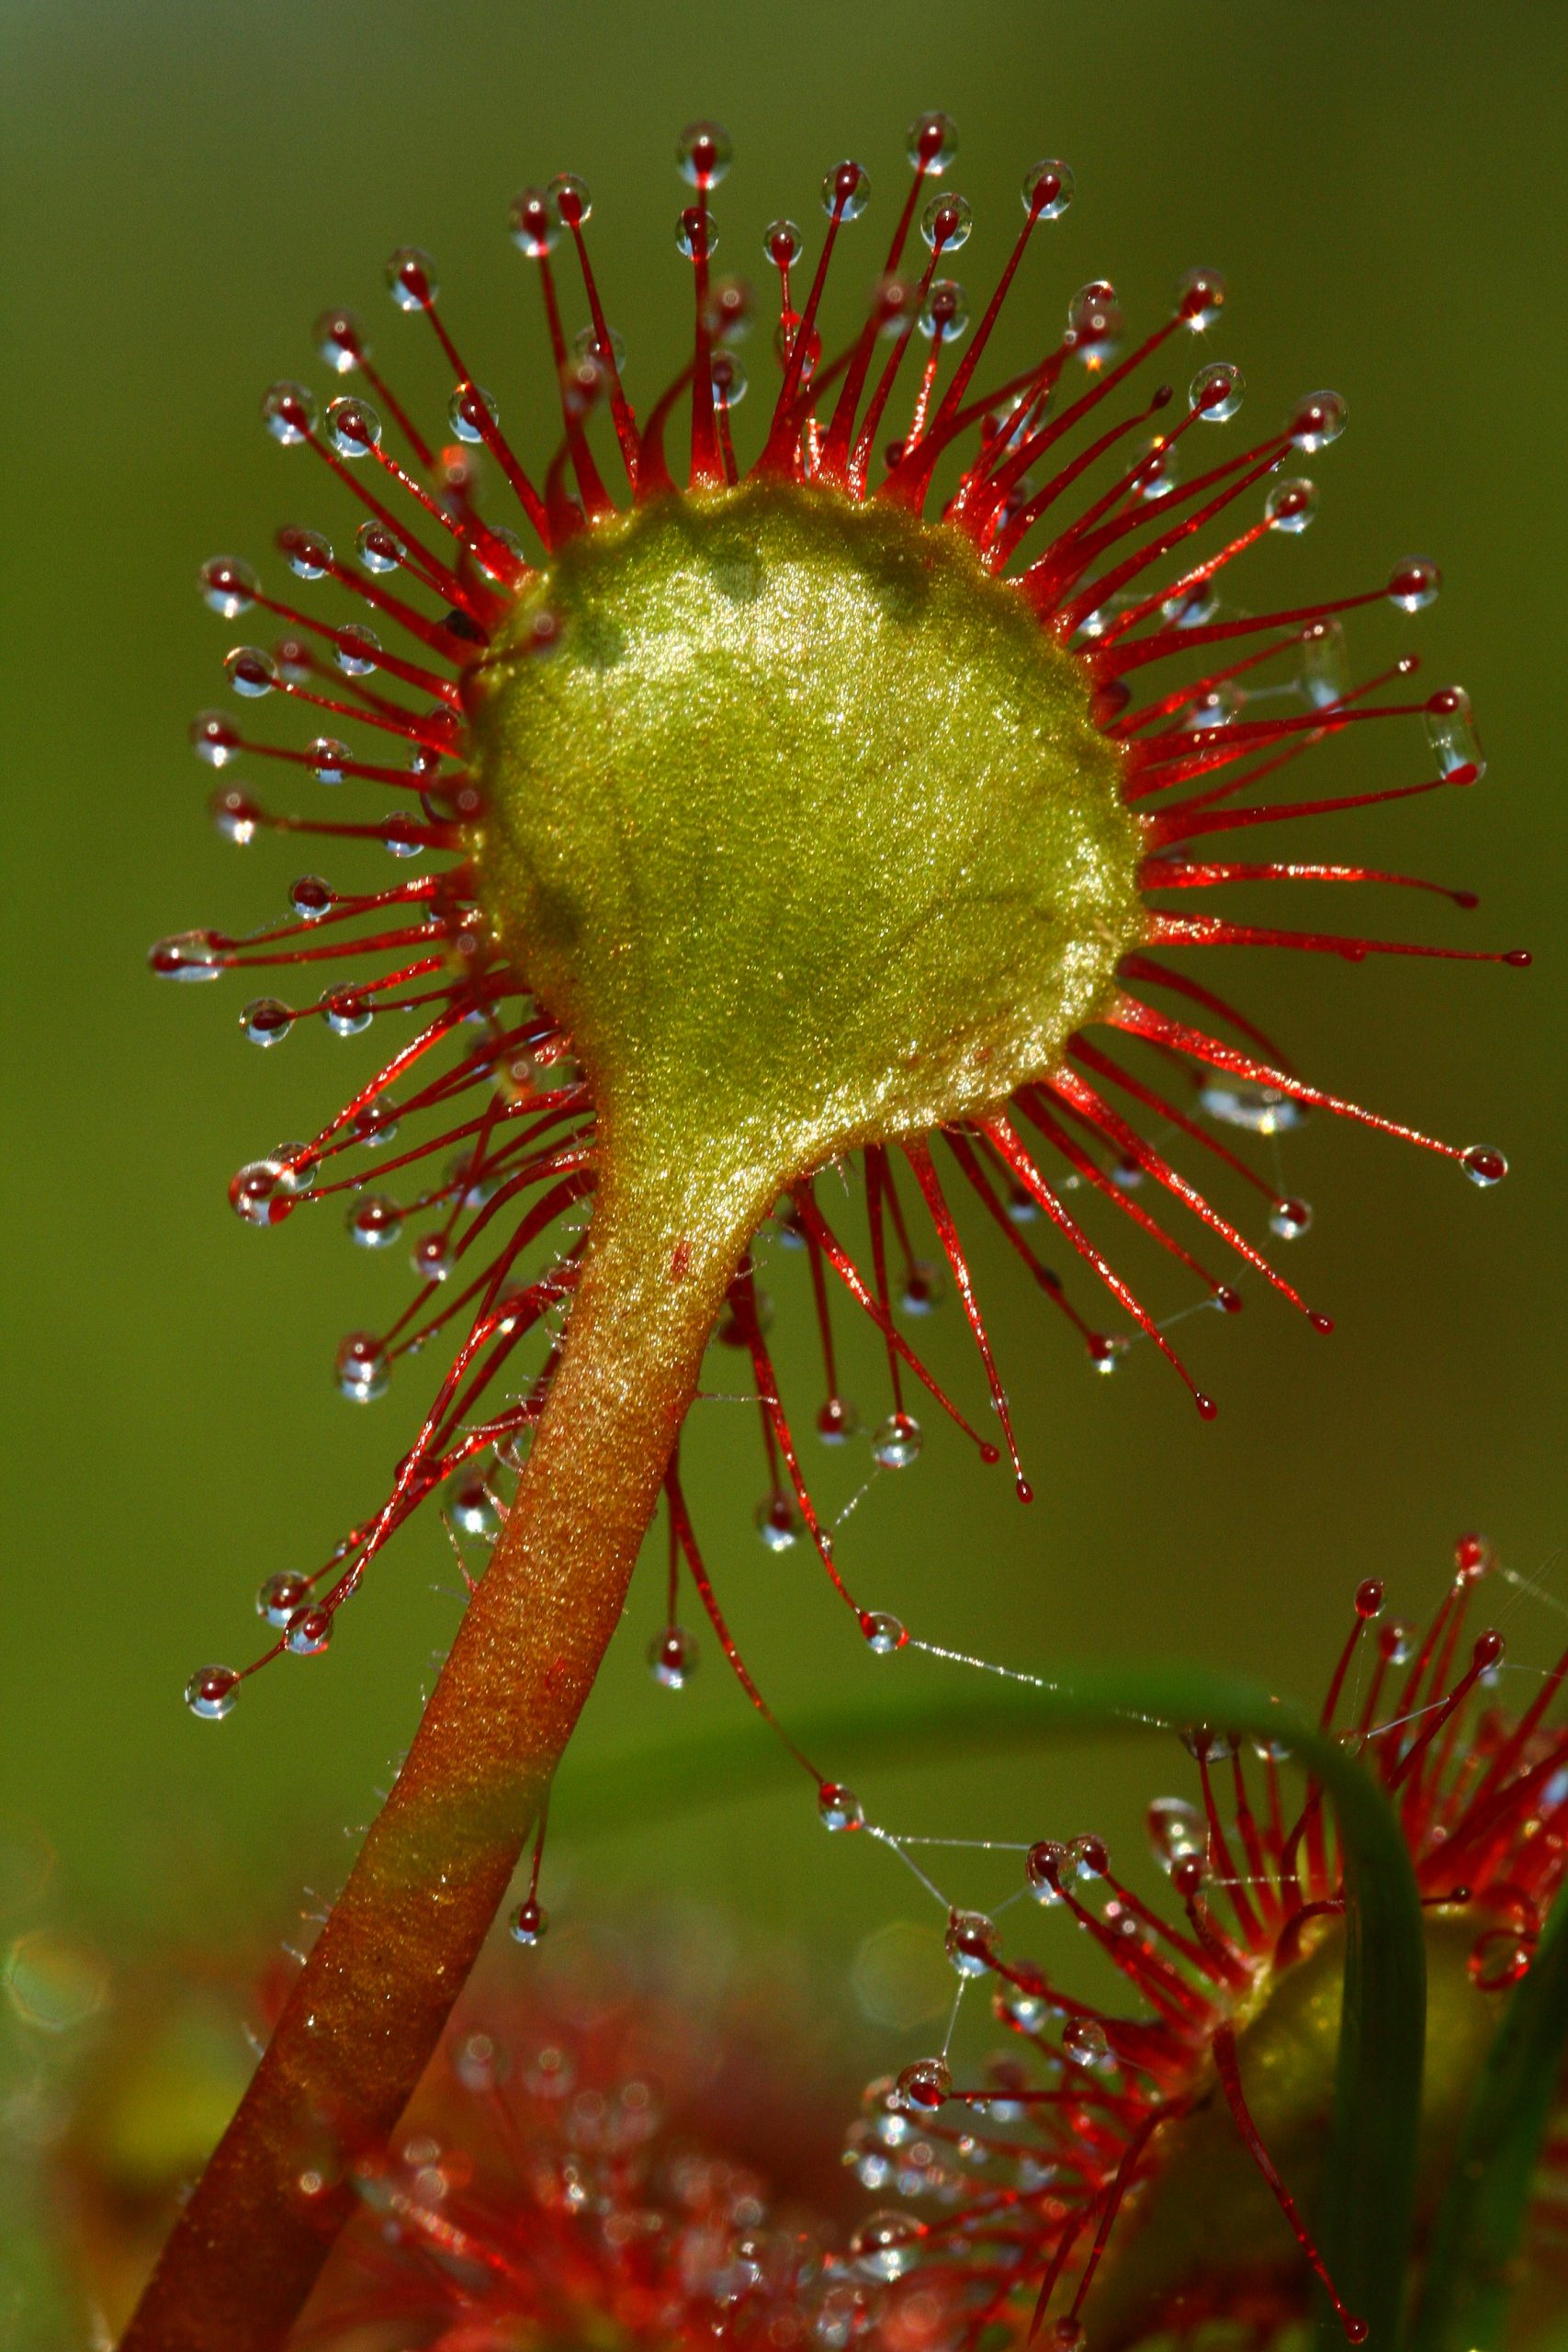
[[1473, 2263], [365, 2015]]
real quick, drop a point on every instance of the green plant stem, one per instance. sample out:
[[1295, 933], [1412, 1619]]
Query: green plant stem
[[1364, 2229], [1481, 2221], [367, 2010]]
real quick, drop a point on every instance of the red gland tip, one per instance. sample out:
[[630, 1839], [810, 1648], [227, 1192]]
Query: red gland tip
[[1472, 1557], [1207, 1409], [1369, 1598], [1321, 1322]]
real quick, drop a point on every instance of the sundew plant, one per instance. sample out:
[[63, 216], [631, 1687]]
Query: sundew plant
[[803, 815]]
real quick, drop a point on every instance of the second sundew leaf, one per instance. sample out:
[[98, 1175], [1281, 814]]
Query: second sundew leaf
[[1473, 2261], [1369, 2170]]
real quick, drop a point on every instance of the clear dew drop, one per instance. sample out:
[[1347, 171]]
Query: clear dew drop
[[1199, 299], [1157, 475], [327, 759], [526, 1924], [431, 1258], [778, 1522], [379, 549], [534, 222], [944, 314], [265, 1021], [1451, 730], [1483, 1166], [1316, 421], [571, 200], [1290, 506], [924, 2083], [886, 2244], [341, 341], [882, 1632], [837, 1421], [896, 1441], [704, 153], [1086, 2041], [837, 1807], [1396, 1644], [288, 411], [354, 427], [1047, 188], [1191, 607], [1216, 392], [471, 409], [696, 233], [1260, 1109], [346, 1013], [1087, 1857], [672, 1658], [1414, 583], [923, 1288], [1094, 316], [214, 738], [373, 1221], [846, 191], [282, 1596], [265, 1192], [308, 1631], [970, 1942], [185, 956], [363, 1368], [251, 672], [236, 817], [229, 586], [411, 278], [946, 222], [358, 650], [728, 378], [1323, 664], [931, 142], [1042, 1868], [403, 836], [1176, 1830], [472, 1508], [308, 555], [783, 243], [212, 1692], [587, 345], [1207, 1745], [1290, 1218]]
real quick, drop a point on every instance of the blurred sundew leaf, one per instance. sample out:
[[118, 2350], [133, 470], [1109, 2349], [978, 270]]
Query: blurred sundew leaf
[[1365, 2228], [1476, 2241]]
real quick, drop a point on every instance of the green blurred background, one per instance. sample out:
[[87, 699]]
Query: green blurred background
[[189, 184]]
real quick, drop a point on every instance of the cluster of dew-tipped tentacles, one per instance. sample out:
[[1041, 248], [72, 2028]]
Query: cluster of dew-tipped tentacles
[[482, 1103], [543, 2176], [553, 2176], [1031, 2168]]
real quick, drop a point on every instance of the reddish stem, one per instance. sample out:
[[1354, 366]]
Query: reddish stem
[[368, 2011]]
